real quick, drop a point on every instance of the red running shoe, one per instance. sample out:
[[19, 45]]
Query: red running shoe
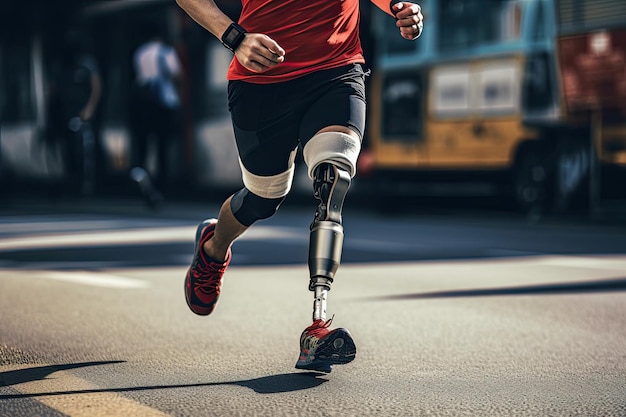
[[321, 348], [204, 276]]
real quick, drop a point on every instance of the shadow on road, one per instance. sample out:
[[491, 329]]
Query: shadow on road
[[271, 384], [547, 289], [41, 372]]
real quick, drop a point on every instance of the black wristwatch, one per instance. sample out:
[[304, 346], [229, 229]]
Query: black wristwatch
[[233, 36]]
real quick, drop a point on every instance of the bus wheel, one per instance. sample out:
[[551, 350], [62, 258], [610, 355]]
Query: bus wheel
[[531, 183]]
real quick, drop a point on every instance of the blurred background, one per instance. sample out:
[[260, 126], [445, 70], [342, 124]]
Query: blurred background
[[519, 102], [476, 273]]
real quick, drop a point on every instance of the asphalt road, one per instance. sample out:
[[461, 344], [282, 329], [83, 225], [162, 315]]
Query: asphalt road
[[454, 314]]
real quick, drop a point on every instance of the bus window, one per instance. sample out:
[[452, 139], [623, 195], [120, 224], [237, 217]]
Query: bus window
[[499, 88], [469, 23], [451, 91]]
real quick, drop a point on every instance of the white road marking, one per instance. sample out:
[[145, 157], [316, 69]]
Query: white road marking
[[58, 226], [94, 279], [132, 236]]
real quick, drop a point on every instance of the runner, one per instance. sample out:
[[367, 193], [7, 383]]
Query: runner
[[296, 80]]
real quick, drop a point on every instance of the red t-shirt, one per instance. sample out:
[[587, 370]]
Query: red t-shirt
[[315, 34]]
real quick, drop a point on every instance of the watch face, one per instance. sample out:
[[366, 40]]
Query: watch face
[[232, 35]]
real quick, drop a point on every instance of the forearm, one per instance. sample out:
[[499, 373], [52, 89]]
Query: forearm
[[206, 14]]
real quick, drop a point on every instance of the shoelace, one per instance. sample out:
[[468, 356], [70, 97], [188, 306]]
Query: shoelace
[[208, 276], [319, 327]]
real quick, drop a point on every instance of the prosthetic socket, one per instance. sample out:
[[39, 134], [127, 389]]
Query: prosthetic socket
[[330, 185]]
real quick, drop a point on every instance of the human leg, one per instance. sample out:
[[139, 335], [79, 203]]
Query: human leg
[[163, 140], [73, 162], [143, 117], [267, 166], [166, 132], [228, 228], [140, 131], [214, 238], [212, 255]]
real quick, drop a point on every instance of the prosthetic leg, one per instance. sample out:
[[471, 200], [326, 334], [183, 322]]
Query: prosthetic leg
[[330, 185], [321, 348], [331, 158]]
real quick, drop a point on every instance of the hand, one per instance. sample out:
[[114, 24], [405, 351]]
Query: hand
[[258, 52], [409, 19]]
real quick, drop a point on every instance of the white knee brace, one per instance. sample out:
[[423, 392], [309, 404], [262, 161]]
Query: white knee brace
[[336, 148], [270, 186]]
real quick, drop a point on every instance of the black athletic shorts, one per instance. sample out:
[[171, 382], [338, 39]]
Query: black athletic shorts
[[271, 120]]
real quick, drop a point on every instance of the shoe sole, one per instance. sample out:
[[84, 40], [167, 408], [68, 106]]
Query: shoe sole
[[337, 349]]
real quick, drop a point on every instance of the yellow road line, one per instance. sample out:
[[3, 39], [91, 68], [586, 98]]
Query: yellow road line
[[76, 397]]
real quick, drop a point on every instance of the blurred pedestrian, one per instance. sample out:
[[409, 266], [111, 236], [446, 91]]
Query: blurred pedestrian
[[297, 79], [74, 94], [155, 111]]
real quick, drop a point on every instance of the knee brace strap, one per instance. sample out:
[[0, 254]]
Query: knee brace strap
[[270, 186], [337, 148]]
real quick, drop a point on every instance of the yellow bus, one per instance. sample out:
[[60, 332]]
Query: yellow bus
[[484, 103]]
